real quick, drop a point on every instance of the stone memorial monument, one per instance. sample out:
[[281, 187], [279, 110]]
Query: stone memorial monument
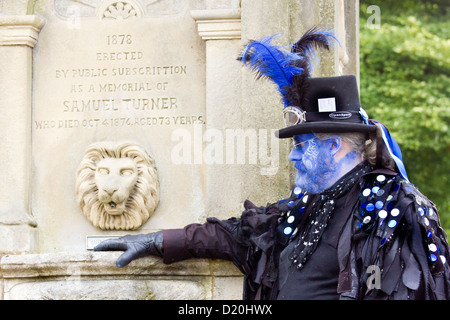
[[127, 117]]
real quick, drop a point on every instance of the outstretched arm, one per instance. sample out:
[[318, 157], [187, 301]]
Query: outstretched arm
[[208, 240]]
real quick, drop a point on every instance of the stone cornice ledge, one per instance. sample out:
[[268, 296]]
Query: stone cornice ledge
[[20, 30], [95, 264], [218, 24]]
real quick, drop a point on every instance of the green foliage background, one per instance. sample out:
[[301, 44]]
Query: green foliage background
[[405, 68]]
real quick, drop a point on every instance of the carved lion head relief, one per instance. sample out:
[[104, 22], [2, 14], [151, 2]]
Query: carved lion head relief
[[117, 185]]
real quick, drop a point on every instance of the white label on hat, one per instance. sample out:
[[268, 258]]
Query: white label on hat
[[327, 105]]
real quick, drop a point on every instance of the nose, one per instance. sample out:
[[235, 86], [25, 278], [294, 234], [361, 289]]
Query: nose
[[295, 155], [110, 190]]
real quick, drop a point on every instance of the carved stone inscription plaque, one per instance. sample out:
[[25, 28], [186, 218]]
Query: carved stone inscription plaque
[[113, 70]]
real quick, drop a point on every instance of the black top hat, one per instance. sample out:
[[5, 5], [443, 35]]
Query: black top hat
[[311, 105], [315, 105], [330, 105]]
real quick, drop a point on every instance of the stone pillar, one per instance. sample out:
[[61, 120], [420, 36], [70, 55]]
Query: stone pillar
[[262, 106], [221, 30], [18, 35], [241, 112]]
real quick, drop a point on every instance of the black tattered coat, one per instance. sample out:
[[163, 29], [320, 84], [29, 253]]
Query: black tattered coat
[[388, 242]]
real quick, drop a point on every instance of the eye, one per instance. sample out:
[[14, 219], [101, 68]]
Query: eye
[[127, 172], [103, 171], [297, 144]]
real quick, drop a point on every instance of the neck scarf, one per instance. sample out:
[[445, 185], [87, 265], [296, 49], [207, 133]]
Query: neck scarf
[[320, 208]]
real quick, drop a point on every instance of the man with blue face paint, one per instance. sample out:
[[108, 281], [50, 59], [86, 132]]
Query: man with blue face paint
[[353, 227], [320, 163]]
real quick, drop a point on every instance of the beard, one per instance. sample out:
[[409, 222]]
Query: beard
[[317, 180], [316, 172]]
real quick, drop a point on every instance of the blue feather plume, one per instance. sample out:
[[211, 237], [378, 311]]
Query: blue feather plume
[[272, 62], [288, 69]]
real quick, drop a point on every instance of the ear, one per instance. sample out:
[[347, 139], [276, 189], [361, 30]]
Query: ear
[[335, 144]]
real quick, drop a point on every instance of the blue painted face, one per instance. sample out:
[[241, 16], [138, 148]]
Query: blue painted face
[[315, 163]]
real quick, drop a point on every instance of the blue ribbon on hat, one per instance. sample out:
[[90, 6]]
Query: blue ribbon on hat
[[394, 150]]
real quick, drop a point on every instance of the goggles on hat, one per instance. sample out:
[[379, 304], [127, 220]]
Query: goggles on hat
[[293, 116]]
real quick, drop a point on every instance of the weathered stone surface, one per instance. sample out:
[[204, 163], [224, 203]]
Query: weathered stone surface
[[93, 275]]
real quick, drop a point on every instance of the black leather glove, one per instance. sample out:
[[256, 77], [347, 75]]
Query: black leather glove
[[136, 246]]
